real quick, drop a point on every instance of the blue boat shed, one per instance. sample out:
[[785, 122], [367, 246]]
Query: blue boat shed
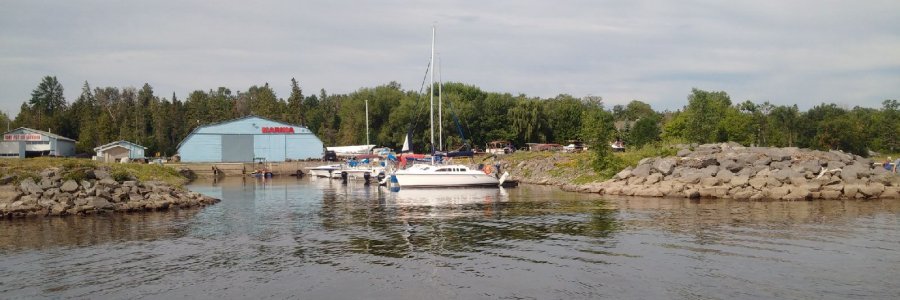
[[26, 142], [249, 139]]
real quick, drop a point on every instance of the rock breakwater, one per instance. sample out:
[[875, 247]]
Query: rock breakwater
[[53, 193], [751, 173]]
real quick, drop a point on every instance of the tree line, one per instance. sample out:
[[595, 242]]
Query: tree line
[[471, 116]]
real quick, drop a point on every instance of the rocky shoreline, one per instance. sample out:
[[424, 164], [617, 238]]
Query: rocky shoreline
[[97, 191], [750, 173]]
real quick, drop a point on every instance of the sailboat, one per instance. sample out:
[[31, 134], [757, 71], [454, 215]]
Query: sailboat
[[431, 175]]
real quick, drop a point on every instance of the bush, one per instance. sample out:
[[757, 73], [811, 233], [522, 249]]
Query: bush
[[78, 175], [121, 175]]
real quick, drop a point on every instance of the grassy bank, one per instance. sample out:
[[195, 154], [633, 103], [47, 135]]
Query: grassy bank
[[578, 168], [74, 168]]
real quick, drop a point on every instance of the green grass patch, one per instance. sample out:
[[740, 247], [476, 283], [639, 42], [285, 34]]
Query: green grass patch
[[76, 168]]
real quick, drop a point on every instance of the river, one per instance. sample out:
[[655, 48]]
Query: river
[[319, 239]]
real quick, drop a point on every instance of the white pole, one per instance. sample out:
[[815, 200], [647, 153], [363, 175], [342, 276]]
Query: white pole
[[431, 92], [440, 106], [367, 122]]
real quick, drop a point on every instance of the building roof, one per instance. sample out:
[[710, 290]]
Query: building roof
[[117, 143], [230, 121], [41, 132]]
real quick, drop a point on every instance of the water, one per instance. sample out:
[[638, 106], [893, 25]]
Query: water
[[290, 238]]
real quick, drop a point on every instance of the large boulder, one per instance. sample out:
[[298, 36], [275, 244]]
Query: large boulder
[[624, 174], [641, 170], [69, 186], [28, 186], [872, 190], [665, 165]]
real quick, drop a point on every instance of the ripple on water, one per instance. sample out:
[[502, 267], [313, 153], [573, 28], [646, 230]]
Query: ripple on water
[[322, 239]]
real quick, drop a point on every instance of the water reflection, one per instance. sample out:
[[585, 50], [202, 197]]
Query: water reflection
[[41, 233], [324, 239]]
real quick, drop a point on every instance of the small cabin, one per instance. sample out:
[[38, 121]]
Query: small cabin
[[116, 151]]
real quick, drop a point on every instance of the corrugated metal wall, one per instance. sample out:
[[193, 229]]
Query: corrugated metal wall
[[237, 148]]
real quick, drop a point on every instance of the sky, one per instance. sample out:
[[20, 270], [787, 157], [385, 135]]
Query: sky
[[800, 52]]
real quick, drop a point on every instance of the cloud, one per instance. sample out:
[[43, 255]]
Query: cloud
[[802, 52]]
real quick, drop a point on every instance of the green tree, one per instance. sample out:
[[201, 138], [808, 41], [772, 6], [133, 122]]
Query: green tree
[[295, 109], [646, 130]]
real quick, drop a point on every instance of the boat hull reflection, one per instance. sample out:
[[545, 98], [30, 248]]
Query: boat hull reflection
[[447, 197]]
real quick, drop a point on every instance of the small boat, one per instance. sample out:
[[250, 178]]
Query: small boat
[[328, 171]]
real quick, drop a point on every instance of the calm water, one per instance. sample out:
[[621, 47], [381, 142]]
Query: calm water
[[291, 238]]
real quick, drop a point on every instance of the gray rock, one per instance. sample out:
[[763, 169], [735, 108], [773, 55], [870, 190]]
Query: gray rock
[[872, 190], [797, 193], [634, 180], [812, 165], [762, 162], [740, 180], [50, 193], [699, 163], [86, 184], [47, 183], [725, 175], [836, 164], [30, 187], [850, 190], [641, 170], [653, 178], [784, 175], [108, 181], [49, 173], [664, 166], [780, 165], [798, 180], [99, 203], [779, 192], [683, 152], [101, 174], [830, 195], [690, 178], [772, 182], [710, 171], [81, 201], [624, 174], [710, 181], [69, 186], [758, 182], [7, 179]]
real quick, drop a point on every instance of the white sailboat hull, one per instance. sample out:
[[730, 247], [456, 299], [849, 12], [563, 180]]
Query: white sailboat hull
[[460, 176]]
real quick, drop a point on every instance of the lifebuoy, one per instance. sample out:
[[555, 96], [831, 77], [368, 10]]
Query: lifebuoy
[[487, 169]]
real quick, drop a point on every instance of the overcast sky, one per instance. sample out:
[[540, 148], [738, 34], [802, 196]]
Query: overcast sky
[[785, 52]]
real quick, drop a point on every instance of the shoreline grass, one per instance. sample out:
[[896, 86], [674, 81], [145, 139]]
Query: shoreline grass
[[75, 168]]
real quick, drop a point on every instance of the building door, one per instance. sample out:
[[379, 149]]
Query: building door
[[237, 148]]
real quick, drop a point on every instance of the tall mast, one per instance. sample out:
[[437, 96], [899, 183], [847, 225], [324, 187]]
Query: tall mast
[[431, 92], [440, 106], [367, 122]]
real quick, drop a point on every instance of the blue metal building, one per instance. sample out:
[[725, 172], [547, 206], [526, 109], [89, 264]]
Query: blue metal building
[[249, 138], [27, 142]]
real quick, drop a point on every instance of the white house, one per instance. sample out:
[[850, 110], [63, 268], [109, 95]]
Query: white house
[[118, 150]]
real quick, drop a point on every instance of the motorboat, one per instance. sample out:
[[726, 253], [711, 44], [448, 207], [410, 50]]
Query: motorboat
[[328, 171]]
